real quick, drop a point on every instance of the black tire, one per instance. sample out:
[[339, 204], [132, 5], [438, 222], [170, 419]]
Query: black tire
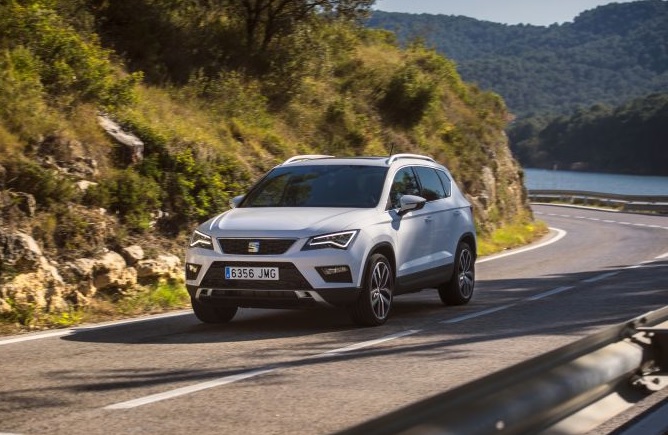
[[375, 302], [212, 314], [459, 290]]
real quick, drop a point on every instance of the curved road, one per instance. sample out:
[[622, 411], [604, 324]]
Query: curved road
[[313, 372]]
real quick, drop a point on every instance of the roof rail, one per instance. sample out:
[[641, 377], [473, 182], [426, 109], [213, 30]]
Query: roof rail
[[396, 157], [305, 157]]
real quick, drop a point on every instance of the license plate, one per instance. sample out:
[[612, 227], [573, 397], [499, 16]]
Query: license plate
[[254, 273]]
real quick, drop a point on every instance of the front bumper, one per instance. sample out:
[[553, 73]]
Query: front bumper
[[336, 297]]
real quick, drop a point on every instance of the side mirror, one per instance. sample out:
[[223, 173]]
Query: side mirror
[[234, 202], [410, 203]]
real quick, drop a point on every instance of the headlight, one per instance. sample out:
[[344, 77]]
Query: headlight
[[200, 240], [333, 240]]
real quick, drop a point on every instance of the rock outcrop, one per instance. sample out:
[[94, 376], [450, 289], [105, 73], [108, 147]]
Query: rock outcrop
[[29, 281]]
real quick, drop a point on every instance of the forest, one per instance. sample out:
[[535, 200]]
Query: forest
[[608, 55], [585, 95], [627, 139]]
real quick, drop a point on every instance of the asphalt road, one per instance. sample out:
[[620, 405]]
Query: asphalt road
[[313, 372]]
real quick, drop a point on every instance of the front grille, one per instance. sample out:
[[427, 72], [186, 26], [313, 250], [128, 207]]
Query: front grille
[[289, 277], [248, 246]]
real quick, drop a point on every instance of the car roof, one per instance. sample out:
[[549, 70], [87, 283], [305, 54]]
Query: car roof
[[386, 161]]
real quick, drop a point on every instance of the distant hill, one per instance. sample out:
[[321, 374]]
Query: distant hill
[[608, 55], [629, 139]]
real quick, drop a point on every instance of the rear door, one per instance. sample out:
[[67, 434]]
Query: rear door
[[441, 238], [414, 253]]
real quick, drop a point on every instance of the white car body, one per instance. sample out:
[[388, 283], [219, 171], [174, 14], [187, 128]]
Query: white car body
[[419, 240]]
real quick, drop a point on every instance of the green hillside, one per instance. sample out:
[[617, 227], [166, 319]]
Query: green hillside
[[217, 94], [608, 55], [631, 138]]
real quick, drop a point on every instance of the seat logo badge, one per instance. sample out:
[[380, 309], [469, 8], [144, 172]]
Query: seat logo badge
[[253, 247]]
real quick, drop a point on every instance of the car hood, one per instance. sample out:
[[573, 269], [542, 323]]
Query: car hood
[[270, 221]]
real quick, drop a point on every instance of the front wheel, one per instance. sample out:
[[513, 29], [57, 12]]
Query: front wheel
[[212, 314], [373, 306], [459, 289]]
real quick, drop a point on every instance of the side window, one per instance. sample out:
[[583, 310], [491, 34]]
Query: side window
[[447, 183], [432, 188], [404, 183]]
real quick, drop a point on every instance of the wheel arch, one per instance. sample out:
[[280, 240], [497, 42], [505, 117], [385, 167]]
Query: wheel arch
[[386, 249], [471, 240]]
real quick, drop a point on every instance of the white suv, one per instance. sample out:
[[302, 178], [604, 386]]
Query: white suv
[[343, 232]]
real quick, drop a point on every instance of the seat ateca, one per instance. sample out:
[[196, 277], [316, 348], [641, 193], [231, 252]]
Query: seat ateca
[[341, 232]]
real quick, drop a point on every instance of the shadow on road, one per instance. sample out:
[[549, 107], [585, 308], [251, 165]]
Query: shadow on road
[[596, 302]]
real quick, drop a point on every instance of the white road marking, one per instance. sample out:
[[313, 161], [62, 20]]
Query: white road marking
[[370, 343], [243, 376], [549, 293], [478, 314], [65, 332], [36, 336], [187, 390], [607, 221], [599, 277]]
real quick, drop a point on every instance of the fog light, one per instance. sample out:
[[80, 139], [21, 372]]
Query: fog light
[[192, 270], [335, 273]]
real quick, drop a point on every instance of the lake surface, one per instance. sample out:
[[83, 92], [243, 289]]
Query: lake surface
[[544, 179]]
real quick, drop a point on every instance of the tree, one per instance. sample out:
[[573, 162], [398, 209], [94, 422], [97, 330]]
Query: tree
[[265, 20]]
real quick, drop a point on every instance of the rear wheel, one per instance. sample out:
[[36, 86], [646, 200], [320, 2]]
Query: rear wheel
[[212, 314], [375, 302], [459, 289]]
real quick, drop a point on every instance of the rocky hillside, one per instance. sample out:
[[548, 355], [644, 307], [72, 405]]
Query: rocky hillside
[[113, 147]]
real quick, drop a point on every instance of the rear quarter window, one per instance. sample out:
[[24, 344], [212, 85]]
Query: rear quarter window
[[431, 186], [447, 183]]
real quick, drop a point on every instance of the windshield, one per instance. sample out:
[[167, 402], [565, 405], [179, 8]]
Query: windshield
[[352, 186]]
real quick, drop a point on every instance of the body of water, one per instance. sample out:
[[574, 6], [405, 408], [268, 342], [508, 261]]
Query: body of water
[[544, 179]]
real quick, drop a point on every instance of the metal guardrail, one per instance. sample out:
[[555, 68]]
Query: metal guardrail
[[533, 395], [634, 203]]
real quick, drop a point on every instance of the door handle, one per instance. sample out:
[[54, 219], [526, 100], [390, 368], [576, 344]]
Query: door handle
[[428, 219]]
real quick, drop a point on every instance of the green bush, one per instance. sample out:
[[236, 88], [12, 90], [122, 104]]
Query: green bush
[[130, 195], [46, 185], [71, 69], [230, 94], [196, 189], [408, 96], [27, 116]]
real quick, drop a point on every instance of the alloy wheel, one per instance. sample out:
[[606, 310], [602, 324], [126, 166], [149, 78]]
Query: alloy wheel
[[381, 293]]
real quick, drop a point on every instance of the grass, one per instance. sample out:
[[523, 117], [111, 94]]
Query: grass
[[156, 299], [148, 300], [511, 236]]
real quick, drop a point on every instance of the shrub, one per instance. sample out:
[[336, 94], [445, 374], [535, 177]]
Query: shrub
[[27, 116], [46, 185], [408, 96], [130, 195], [71, 69]]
